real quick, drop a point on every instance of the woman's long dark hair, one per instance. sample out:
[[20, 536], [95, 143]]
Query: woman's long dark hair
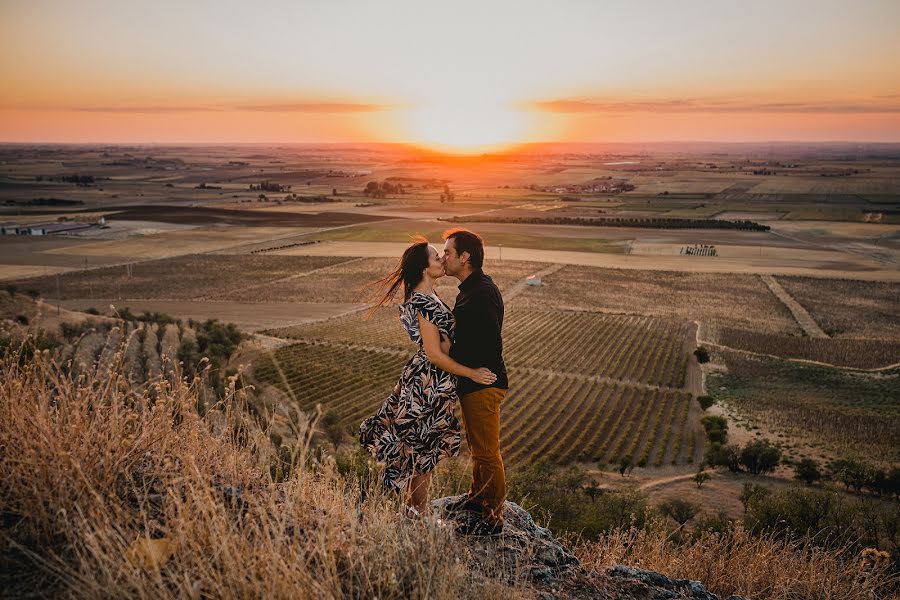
[[408, 273]]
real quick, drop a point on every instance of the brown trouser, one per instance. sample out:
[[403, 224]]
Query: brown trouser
[[481, 417]]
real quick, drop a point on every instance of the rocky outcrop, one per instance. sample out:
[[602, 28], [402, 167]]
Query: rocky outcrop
[[528, 553]]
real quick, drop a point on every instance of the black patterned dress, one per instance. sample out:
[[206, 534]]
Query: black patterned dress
[[416, 427]]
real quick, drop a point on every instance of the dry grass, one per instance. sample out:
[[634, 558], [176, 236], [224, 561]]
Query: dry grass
[[757, 568], [107, 493], [110, 492]]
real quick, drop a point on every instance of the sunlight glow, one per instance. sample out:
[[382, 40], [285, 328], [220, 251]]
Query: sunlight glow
[[463, 126]]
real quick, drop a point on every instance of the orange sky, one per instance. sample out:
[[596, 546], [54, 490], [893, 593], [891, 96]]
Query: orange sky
[[459, 76]]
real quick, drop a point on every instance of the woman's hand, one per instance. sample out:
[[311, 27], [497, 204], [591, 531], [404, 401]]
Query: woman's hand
[[482, 376]]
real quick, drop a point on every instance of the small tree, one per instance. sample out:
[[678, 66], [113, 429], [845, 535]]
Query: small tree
[[625, 465], [724, 456], [700, 478], [716, 428], [751, 492], [681, 511], [33, 293], [807, 471], [760, 457], [702, 354], [705, 401], [331, 425]]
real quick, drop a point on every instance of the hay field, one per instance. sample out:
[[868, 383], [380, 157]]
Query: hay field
[[182, 278], [174, 243], [849, 309], [712, 298]]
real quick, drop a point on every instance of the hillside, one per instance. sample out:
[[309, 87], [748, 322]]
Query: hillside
[[116, 490]]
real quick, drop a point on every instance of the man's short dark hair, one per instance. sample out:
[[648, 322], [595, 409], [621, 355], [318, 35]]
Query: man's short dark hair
[[467, 241]]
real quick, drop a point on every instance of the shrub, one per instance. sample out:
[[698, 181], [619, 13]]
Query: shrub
[[807, 471], [701, 477], [92, 311], [331, 425], [560, 495], [796, 512], [716, 428], [752, 492], [679, 510], [706, 401], [724, 456], [760, 457], [702, 354]]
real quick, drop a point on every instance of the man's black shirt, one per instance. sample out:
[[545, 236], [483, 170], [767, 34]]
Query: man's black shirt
[[479, 322]]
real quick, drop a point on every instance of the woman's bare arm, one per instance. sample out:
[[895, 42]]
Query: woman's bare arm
[[431, 342]]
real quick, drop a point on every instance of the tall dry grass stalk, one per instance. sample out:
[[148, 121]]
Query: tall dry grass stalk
[[755, 567], [107, 491]]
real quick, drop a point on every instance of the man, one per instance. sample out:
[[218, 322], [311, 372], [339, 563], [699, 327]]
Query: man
[[479, 321]]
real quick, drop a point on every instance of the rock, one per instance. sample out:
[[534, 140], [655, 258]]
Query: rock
[[528, 552]]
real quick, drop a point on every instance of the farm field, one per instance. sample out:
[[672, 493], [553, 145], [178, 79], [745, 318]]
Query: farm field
[[847, 265], [714, 298], [849, 309], [600, 353], [604, 386], [184, 277], [834, 412], [560, 417], [859, 353]]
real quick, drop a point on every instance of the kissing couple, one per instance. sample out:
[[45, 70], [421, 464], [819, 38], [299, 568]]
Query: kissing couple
[[460, 359]]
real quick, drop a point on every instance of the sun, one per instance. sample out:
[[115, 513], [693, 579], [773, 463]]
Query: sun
[[466, 126]]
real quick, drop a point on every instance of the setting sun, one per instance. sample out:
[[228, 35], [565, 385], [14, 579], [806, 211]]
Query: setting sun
[[466, 127]]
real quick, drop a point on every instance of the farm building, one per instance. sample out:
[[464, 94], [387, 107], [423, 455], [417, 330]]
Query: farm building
[[56, 228], [9, 228]]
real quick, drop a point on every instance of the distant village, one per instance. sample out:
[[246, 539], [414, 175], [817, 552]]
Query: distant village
[[604, 186]]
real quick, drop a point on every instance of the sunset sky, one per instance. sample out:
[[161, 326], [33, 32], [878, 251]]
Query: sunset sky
[[469, 75]]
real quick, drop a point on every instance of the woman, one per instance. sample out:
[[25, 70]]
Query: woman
[[415, 427]]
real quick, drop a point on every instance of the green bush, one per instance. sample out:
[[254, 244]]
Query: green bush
[[679, 510], [570, 500], [702, 354], [807, 471], [760, 457], [716, 428], [706, 401]]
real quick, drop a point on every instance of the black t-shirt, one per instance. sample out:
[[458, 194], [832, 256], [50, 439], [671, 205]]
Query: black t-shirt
[[479, 323]]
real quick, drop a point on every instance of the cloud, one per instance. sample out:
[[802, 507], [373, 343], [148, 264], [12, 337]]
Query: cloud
[[713, 105], [294, 107], [314, 107], [145, 109]]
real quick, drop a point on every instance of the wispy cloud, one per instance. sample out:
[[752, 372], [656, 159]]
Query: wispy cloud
[[713, 105], [314, 107], [292, 107], [144, 109]]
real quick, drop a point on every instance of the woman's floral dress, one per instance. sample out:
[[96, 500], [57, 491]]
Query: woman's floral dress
[[415, 427]]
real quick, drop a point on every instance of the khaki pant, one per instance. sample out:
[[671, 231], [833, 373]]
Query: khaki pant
[[481, 417]]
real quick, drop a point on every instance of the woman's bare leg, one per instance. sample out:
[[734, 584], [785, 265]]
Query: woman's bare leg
[[418, 491]]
